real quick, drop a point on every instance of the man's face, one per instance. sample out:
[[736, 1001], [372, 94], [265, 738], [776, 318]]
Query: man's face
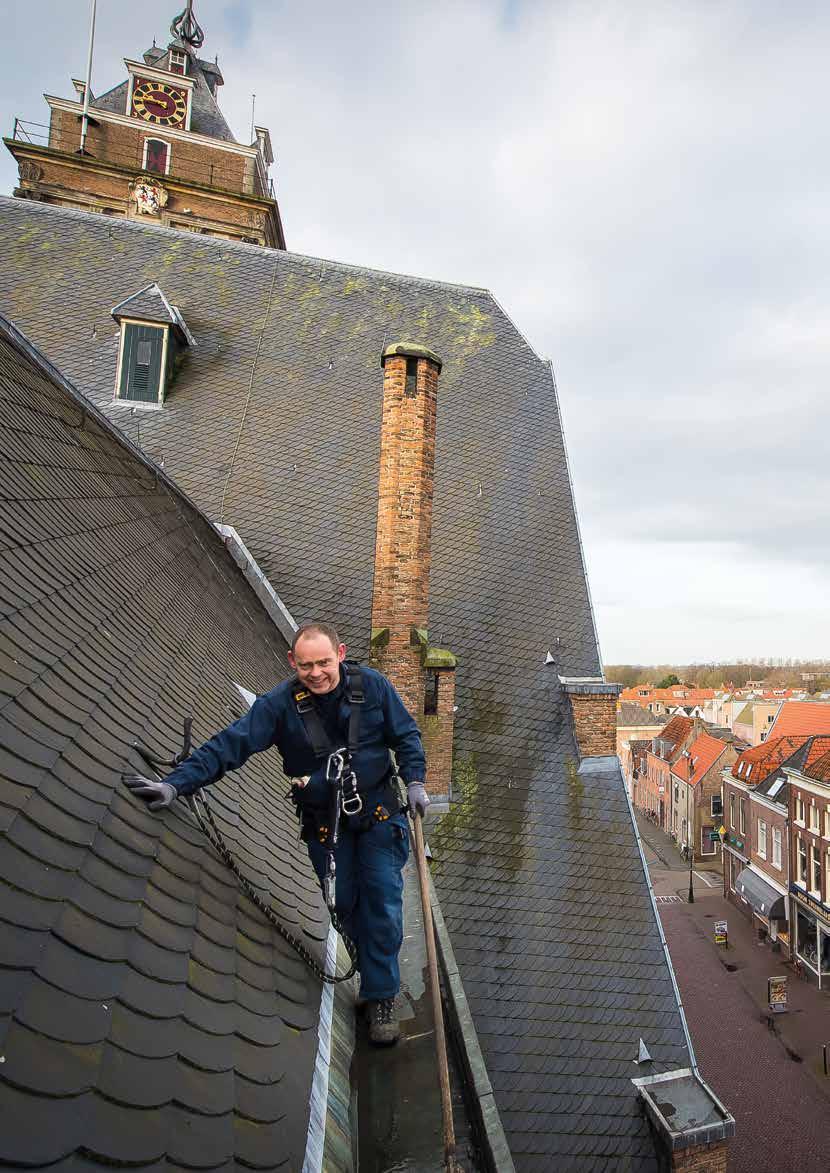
[[317, 663]]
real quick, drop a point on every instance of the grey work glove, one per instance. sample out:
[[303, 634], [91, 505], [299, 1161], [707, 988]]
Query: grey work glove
[[157, 795], [418, 798]]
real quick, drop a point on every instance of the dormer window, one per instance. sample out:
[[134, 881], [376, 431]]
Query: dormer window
[[156, 156], [178, 61], [154, 338], [143, 350]]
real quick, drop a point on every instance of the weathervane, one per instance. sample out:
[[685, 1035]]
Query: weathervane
[[187, 28]]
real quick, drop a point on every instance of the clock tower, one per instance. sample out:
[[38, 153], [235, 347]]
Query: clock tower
[[155, 147]]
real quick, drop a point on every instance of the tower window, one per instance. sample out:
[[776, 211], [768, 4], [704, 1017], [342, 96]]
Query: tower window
[[431, 693], [156, 156], [142, 356], [178, 61]]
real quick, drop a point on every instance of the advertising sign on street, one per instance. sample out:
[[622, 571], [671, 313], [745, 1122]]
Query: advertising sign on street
[[777, 993], [721, 932]]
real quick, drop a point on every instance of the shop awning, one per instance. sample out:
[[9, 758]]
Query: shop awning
[[764, 899]]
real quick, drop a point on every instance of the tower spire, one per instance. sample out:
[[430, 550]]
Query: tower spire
[[187, 28]]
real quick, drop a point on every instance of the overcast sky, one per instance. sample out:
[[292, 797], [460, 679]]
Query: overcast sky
[[644, 187]]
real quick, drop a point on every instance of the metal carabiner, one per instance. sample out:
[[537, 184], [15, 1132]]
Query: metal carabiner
[[335, 766]]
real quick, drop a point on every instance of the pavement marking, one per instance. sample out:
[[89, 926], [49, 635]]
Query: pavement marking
[[668, 899], [709, 883]]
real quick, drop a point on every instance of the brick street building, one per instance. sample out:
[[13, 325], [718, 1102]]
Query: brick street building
[[756, 859], [809, 811], [666, 748], [695, 780]]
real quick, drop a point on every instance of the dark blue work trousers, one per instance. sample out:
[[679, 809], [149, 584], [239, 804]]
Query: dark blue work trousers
[[368, 898]]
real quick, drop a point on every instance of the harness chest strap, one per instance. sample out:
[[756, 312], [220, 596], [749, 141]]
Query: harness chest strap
[[320, 741]]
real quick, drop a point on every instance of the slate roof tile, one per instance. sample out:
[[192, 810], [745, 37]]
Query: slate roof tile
[[109, 1007]]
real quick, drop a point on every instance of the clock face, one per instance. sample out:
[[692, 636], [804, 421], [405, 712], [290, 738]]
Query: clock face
[[157, 102]]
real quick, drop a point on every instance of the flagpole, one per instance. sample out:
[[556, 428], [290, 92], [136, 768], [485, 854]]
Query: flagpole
[[85, 117]]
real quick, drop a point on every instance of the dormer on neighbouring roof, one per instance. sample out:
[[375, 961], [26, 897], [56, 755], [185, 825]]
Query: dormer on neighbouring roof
[[154, 337]]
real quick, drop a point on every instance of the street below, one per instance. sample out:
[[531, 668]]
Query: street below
[[768, 1071]]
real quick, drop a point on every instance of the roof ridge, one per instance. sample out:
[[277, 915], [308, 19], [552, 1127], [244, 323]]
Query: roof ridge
[[37, 208]]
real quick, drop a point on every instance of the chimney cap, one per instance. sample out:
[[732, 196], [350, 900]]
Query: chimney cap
[[409, 350]]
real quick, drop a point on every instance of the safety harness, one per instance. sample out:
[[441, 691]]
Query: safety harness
[[341, 780]]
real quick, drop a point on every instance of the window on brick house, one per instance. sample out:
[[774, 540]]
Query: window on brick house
[[827, 822], [801, 863], [732, 811], [799, 809], [431, 693], [776, 847], [743, 816], [156, 156], [813, 817], [762, 839], [815, 870]]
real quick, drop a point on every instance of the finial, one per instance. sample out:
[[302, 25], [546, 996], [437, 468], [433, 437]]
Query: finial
[[187, 28]]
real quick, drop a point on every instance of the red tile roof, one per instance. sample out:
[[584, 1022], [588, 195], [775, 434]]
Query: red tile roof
[[820, 769], [819, 746], [766, 757], [676, 731], [795, 717], [703, 753], [679, 694]]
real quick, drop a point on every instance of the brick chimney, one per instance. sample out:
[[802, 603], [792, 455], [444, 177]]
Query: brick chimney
[[691, 1126], [400, 601], [594, 712]]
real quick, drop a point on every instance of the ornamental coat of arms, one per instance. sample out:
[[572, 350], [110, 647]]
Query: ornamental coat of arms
[[148, 196]]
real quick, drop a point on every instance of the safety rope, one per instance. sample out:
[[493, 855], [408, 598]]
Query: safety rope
[[209, 828]]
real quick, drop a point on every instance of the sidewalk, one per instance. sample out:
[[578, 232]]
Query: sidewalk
[[667, 851], [780, 1104], [806, 1025]]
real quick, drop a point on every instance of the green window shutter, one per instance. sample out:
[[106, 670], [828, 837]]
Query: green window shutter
[[141, 363]]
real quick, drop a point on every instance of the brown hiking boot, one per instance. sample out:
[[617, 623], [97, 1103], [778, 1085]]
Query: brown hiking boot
[[383, 1023]]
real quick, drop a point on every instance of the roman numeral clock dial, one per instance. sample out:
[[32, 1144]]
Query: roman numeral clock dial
[[159, 103]]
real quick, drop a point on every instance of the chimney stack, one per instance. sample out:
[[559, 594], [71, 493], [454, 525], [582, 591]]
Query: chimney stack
[[400, 600]]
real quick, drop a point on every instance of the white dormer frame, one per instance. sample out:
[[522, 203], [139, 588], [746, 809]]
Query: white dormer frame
[[163, 77], [156, 138], [179, 53]]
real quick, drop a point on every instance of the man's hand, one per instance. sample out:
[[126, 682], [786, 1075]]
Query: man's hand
[[418, 798], [157, 795]]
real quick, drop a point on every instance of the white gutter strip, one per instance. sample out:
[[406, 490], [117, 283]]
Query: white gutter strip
[[663, 940], [266, 594], [319, 1099]]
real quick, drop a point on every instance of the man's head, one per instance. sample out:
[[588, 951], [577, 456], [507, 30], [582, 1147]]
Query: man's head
[[316, 653]]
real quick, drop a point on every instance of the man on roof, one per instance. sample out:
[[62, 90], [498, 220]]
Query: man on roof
[[333, 705]]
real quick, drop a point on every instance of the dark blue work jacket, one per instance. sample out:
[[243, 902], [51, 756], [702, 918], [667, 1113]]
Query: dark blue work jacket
[[385, 724]]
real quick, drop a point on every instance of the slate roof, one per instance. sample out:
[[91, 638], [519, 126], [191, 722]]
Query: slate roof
[[205, 117], [631, 716], [149, 1014], [273, 426]]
